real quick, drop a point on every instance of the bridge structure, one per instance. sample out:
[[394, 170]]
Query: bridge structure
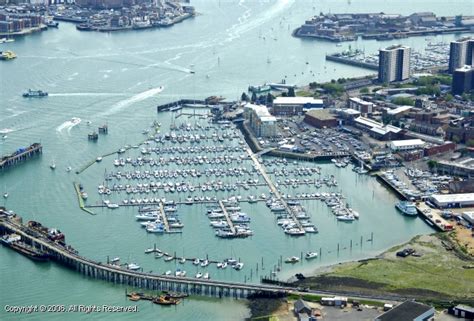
[[70, 258]]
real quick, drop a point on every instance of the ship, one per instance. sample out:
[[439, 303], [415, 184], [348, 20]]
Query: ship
[[7, 55], [35, 93], [259, 89], [52, 24], [14, 242], [407, 208]]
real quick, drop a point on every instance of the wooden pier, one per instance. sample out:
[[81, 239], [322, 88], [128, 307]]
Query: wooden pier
[[227, 217], [20, 155], [70, 258], [164, 218], [273, 188]]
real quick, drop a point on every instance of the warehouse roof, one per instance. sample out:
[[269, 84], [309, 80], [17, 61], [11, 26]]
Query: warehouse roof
[[453, 198], [297, 101], [321, 114], [408, 310], [407, 142]]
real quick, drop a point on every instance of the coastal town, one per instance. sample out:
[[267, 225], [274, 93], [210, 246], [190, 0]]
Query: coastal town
[[278, 157]]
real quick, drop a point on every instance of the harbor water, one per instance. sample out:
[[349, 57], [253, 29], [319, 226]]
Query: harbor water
[[118, 79]]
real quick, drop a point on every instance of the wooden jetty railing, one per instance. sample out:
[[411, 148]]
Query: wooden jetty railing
[[116, 274]]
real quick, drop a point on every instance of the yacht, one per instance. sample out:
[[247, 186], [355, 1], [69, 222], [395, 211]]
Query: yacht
[[293, 259], [182, 260], [196, 262], [238, 266], [205, 263], [133, 266], [198, 275], [346, 218], [310, 255], [407, 208]]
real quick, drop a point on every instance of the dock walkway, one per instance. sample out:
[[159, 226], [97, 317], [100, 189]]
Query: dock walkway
[[165, 219], [227, 217], [273, 188]]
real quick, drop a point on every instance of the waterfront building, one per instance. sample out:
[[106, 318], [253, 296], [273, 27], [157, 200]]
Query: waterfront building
[[452, 200], [289, 106], [461, 53], [394, 64], [378, 130], [262, 123], [320, 118], [463, 80], [406, 144], [364, 107], [408, 311]]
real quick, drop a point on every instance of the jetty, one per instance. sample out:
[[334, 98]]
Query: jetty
[[70, 258], [227, 217], [273, 188], [164, 218], [80, 199], [20, 155]]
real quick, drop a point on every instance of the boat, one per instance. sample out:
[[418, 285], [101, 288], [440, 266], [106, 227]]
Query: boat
[[4, 40], [238, 266], [68, 169], [407, 208], [52, 24], [115, 260], [206, 276], [7, 55], [166, 300], [168, 272], [98, 159], [169, 258], [293, 259], [346, 218], [158, 255], [14, 242], [205, 263], [196, 262], [133, 267], [5, 195], [34, 93], [310, 255], [52, 165], [182, 260], [198, 275]]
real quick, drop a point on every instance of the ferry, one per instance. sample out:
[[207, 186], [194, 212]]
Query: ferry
[[407, 208], [14, 242], [34, 93], [7, 55]]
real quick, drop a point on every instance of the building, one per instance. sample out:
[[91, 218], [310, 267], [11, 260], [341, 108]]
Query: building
[[408, 311], [397, 112], [362, 106], [452, 200], [260, 120], [461, 53], [378, 130], [407, 144], [462, 311], [295, 105], [469, 217], [394, 64], [320, 118], [302, 310], [463, 80]]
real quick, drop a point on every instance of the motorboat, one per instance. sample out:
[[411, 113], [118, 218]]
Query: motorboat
[[169, 258], [133, 267], [407, 208], [205, 263], [292, 260], [196, 261], [238, 266], [182, 260], [206, 276], [115, 260], [346, 218], [198, 275], [310, 255]]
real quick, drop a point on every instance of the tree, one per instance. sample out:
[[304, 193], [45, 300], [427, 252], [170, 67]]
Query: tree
[[254, 97], [313, 85], [456, 139], [270, 98], [291, 92], [244, 97], [448, 97], [364, 90], [432, 164], [403, 101]]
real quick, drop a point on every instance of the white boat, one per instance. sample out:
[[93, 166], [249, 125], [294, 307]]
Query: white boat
[[158, 255], [149, 250], [98, 159], [112, 205], [196, 262], [169, 258], [68, 169], [146, 217], [346, 218], [182, 260], [133, 267], [238, 266], [198, 275], [310, 255], [168, 272], [293, 259], [5, 195], [205, 263], [407, 208], [115, 260], [206, 276], [52, 166]]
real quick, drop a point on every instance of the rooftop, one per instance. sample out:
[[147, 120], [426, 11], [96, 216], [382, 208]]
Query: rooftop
[[465, 68], [408, 310], [297, 100], [407, 142], [360, 101], [321, 114], [453, 198], [398, 110]]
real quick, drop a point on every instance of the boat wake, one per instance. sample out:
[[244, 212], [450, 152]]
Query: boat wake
[[68, 125], [246, 24], [85, 94], [132, 100], [6, 130]]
